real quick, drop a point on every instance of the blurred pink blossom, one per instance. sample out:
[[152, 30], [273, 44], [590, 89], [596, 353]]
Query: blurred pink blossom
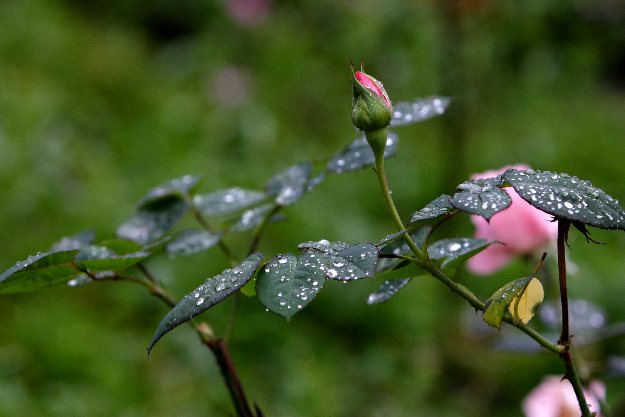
[[521, 228], [555, 397], [249, 13]]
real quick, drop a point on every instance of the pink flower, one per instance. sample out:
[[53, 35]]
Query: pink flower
[[521, 228], [374, 85], [371, 107], [555, 397], [249, 13]]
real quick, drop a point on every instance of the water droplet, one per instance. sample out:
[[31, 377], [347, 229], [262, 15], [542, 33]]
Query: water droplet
[[282, 260], [454, 246], [331, 273], [200, 301]]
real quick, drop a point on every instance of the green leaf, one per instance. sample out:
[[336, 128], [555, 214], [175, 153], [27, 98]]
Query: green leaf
[[324, 246], [76, 241], [419, 110], [358, 154], [387, 290], [287, 284], [354, 262], [567, 197], [438, 207], [227, 201], [191, 241], [213, 291], [148, 225], [40, 271], [99, 259], [394, 244], [453, 251], [344, 262], [482, 197], [291, 184], [251, 218], [519, 297], [122, 246], [175, 189]]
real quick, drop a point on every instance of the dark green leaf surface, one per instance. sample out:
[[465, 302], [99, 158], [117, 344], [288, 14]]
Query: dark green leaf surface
[[358, 154], [213, 291], [419, 110], [192, 241], [111, 262], [438, 207], [287, 284], [482, 197], [253, 217], [177, 188], [74, 242], [39, 271], [227, 201], [148, 225], [324, 246], [497, 305], [354, 262], [345, 262], [567, 197], [122, 246], [291, 184], [394, 244], [455, 250], [387, 290]]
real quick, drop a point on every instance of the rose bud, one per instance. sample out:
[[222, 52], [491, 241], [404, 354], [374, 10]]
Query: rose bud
[[371, 109]]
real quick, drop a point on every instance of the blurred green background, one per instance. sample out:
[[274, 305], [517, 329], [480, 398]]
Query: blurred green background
[[102, 100]]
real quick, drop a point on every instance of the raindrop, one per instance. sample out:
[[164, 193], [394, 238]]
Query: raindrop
[[454, 247]]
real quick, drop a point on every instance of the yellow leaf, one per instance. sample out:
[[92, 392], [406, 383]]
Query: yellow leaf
[[523, 305]]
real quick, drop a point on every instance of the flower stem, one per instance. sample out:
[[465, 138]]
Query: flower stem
[[217, 345], [380, 171], [563, 227], [565, 336]]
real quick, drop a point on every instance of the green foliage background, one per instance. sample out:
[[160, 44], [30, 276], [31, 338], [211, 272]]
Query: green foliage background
[[100, 101]]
